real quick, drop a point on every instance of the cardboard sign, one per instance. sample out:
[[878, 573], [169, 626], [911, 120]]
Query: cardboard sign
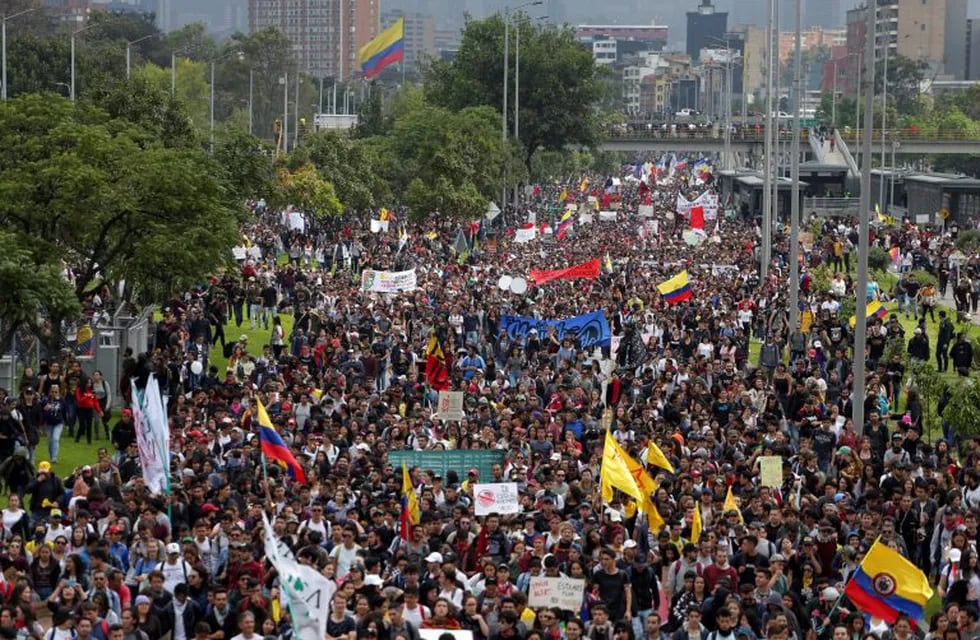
[[645, 210], [502, 497], [771, 471], [450, 405], [607, 216], [564, 593]]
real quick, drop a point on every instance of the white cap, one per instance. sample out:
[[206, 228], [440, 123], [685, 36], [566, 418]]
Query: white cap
[[372, 580], [435, 556], [629, 544], [955, 555], [173, 547]]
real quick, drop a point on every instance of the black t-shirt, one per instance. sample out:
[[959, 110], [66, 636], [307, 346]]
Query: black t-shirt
[[612, 590], [340, 629]]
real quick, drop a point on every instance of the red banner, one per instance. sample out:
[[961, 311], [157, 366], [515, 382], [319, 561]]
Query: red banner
[[588, 269]]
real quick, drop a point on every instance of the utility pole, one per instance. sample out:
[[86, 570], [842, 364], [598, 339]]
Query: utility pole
[[794, 228], [884, 112], [861, 293], [503, 113], [766, 248]]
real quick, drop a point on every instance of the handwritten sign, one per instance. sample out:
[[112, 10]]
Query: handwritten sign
[[450, 405], [564, 593], [771, 471], [501, 497]]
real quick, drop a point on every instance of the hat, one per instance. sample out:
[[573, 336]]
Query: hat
[[143, 600], [435, 556], [114, 529], [243, 338], [173, 547], [372, 580], [830, 593], [127, 413], [629, 544], [44, 467], [209, 508], [807, 539], [896, 436], [474, 471], [777, 557], [56, 513], [955, 555], [615, 516]]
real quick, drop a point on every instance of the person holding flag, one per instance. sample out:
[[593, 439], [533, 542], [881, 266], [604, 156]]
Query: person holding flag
[[273, 447]]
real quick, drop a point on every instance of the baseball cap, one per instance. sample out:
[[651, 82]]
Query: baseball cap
[[44, 467], [128, 413], [173, 547], [56, 513], [435, 556], [143, 600]]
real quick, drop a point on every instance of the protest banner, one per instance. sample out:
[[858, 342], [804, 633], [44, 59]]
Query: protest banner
[[498, 497], [607, 216], [590, 330], [564, 593], [460, 460], [388, 281], [379, 225], [645, 210], [589, 269]]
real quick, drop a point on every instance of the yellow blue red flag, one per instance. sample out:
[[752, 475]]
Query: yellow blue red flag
[[886, 585], [384, 50]]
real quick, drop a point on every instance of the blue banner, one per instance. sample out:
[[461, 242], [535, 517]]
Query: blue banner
[[590, 330]]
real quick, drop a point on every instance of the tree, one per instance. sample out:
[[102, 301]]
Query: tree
[[963, 410], [307, 190], [557, 98], [905, 75], [352, 166], [81, 186], [438, 160], [246, 163]]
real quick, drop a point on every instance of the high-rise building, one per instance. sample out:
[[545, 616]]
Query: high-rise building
[[326, 34], [930, 31], [420, 36], [706, 29]]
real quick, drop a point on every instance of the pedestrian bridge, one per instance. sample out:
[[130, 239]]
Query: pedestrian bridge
[[751, 141]]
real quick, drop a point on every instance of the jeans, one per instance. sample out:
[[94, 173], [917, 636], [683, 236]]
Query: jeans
[[54, 441], [639, 622], [85, 420], [71, 414], [254, 315]]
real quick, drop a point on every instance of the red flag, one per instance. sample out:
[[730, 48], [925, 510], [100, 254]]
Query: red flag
[[436, 371], [697, 217]]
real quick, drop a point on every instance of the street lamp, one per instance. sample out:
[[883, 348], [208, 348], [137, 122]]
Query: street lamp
[[503, 112], [517, 88], [129, 52], [211, 98], [73, 35], [3, 90]]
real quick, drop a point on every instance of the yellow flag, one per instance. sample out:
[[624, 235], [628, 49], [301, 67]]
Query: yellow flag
[[696, 526], [646, 485], [657, 458], [615, 473], [731, 505]]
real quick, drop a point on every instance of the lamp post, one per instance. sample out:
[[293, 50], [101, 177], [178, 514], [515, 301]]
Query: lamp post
[[251, 90], [211, 96], [517, 86], [503, 112], [73, 35], [794, 232], [129, 52], [766, 248], [3, 90], [884, 113]]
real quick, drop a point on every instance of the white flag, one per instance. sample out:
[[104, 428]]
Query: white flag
[[152, 436], [307, 591]]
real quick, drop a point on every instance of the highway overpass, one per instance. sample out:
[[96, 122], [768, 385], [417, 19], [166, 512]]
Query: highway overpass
[[751, 141]]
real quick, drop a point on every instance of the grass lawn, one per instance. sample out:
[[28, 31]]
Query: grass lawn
[[74, 454]]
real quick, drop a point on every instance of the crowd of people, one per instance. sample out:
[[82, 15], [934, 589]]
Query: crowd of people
[[717, 381]]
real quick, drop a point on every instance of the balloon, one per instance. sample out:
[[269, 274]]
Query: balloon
[[518, 285], [197, 368]]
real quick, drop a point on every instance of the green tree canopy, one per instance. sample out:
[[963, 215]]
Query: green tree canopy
[[79, 186], [560, 90]]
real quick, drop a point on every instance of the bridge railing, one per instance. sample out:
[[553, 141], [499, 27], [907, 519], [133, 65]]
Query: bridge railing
[[746, 134], [909, 135]]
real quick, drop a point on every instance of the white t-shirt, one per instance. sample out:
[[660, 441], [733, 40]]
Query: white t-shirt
[[174, 574]]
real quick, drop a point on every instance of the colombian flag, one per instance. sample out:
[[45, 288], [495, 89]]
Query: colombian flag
[[886, 585], [561, 230], [563, 196], [273, 448], [384, 50], [410, 505], [677, 289], [872, 310]]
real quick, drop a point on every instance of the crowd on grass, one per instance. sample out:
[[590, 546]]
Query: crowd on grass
[[716, 381]]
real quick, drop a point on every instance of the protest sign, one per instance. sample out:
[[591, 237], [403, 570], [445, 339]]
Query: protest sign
[[460, 460], [500, 497], [607, 216], [645, 210], [771, 471], [450, 406], [379, 225], [564, 593]]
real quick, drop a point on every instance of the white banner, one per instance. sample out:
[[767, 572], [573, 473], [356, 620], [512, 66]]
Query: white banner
[[607, 216], [564, 593], [501, 497], [450, 406], [378, 226], [709, 201], [294, 220], [683, 205], [523, 236], [388, 281], [645, 210], [585, 218], [306, 591], [152, 435]]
